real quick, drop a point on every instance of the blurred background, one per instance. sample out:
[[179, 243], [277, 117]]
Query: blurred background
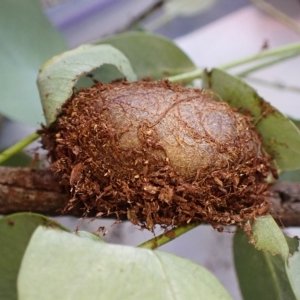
[[211, 32]]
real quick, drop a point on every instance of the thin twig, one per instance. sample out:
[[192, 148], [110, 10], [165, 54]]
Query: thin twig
[[285, 51], [266, 64], [167, 237], [25, 189], [277, 14], [277, 85], [19, 146]]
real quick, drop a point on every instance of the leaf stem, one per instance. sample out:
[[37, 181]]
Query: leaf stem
[[285, 51], [188, 76], [9, 152], [267, 64], [277, 14], [276, 85], [167, 236]]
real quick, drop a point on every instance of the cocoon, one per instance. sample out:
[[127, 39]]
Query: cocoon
[[158, 153]]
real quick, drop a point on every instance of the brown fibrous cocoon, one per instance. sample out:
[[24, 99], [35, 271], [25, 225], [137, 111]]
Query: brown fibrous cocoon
[[158, 153]]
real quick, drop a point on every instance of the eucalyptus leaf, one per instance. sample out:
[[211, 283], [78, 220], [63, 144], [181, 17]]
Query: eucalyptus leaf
[[15, 233], [268, 236], [294, 273], [88, 235], [59, 265], [27, 40], [18, 160], [268, 269], [281, 137], [296, 122], [59, 75], [291, 176], [294, 175], [261, 275], [151, 55]]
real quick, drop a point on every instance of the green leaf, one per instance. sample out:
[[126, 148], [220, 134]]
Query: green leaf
[[293, 264], [88, 235], [151, 55], [260, 274], [58, 265], [59, 75], [268, 236], [27, 40], [19, 160], [15, 233], [294, 272], [292, 176], [268, 269], [281, 137]]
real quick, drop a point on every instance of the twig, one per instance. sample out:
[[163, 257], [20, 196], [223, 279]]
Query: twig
[[167, 237], [268, 63], [18, 147], [25, 189], [277, 14], [277, 85], [31, 190], [285, 51], [285, 200]]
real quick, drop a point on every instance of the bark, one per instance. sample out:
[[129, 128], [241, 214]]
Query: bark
[[285, 199], [31, 190], [25, 189]]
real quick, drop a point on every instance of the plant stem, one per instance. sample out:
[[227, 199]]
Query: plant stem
[[17, 147], [188, 76], [277, 85], [267, 64], [167, 236], [277, 14], [284, 51]]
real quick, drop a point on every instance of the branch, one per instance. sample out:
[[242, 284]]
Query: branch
[[285, 199], [32, 190], [25, 189]]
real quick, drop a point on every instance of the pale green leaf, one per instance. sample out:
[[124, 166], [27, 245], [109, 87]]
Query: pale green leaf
[[292, 176], [19, 160], [268, 269], [15, 233], [268, 236], [59, 75], [27, 40], [261, 275], [151, 55], [88, 235], [58, 265], [281, 137], [293, 269]]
